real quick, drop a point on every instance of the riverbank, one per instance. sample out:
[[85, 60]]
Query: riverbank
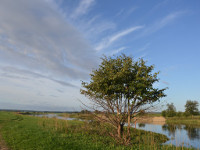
[[142, 119], [191, 120], [28, 132], [158, 119], [148, 118], [152, 120]]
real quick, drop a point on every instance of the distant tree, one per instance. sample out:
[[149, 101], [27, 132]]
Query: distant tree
[[179, 114], [122, 88], [163, 113], [191, 107], [186, 114], [85, 111], [171, 110]]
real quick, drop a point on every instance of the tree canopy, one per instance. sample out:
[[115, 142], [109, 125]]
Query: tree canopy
[[122, 87], [170, 111], [191, 107]]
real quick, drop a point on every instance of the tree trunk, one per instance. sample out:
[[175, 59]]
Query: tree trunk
[[119, 131], [129, 124], [129, 119]]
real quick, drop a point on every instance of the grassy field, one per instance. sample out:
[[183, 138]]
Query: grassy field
[[191, 120], [21, 132]]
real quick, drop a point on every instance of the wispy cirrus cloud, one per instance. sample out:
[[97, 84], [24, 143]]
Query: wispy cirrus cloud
[[123, 33], [11, 72], [169, 18], [82, 8], [166, 83], [40, 51], [143, 48], [126, 12], [161, 23], [33, 36], [111, 39], [116, 51]]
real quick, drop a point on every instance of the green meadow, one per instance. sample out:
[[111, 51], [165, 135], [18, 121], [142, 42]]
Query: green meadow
[[22, 132]]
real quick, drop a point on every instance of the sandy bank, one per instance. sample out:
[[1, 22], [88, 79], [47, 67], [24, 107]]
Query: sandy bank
[[152, 120]]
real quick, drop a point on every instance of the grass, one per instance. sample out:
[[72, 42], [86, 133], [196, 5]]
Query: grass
[[191, 120], [77, 115], [21, 132]]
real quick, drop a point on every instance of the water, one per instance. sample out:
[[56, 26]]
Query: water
[[179, 135], [56, 116]]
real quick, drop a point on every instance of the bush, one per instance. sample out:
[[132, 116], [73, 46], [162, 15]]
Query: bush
[[186, 114], [179, 114], [171, 110], [163, 113]]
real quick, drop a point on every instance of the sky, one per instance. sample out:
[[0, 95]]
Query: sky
[[47, 47]]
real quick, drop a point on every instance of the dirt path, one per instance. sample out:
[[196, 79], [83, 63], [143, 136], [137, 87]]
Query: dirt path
[[2, 144]]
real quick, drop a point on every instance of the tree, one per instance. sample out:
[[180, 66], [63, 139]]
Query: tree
[[122, 88], [163, 113], [179, 114], [171, 110], [191, 107]]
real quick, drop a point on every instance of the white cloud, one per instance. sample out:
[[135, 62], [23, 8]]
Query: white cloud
[[94, 28], [38, 45], [108, 41], [169, 18], [34, 36], [117, 50], [123, 33], [82, 8]]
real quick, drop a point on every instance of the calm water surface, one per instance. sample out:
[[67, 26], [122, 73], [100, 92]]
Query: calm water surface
[[179, 135]]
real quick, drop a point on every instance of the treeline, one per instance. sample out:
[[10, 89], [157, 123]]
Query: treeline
[[191, 109]]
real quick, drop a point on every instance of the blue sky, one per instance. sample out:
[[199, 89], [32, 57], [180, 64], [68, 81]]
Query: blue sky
[[48, 46]]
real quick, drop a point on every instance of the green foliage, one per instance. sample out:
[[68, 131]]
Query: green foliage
[[163, 113], [85, 112], [123, 77], [122, 87], [191, 107], [186, 114], [170, 111], [179, 114]]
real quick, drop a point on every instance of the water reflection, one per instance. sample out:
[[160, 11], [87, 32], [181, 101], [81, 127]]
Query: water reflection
[[192, 132], [141, 125], [179, 135]]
